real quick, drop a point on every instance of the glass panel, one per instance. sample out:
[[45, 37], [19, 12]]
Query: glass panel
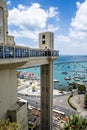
[[52, 53], [18, 52], [49, 52], [33, 52], [25, 52], [29, 53], [9, 52], [1, 51], [46, 53], [43, 53], [39, 53]]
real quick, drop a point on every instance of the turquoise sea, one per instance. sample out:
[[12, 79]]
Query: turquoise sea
[[74, 67]]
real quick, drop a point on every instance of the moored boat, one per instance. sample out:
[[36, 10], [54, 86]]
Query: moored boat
[[68, 78], [76, 79], [56, 80]]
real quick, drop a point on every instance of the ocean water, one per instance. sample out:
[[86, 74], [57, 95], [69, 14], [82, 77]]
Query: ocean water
[[70, 66], [65, 66]]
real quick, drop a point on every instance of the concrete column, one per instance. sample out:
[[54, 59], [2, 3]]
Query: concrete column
[[8, 90], [47, 96]]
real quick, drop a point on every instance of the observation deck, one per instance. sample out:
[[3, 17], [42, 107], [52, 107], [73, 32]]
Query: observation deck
[[20, 56]]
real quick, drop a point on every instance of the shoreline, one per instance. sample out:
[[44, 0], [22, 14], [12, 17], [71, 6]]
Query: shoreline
[[26, 88], [61, 72]]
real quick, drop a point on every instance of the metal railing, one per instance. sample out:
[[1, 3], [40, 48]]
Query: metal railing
[[24, 52]]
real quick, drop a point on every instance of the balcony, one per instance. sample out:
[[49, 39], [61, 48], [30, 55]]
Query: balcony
[[16, 56], [23, 52]]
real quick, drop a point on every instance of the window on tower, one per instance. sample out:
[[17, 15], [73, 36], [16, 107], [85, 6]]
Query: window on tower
[[43, 36], [43, 42]]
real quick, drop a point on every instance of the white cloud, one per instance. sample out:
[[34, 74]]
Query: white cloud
[[8, 2], [29, 21], [52, 12], [67, 45], [52, 28], [78, 5], [76, 41], [63, 39], [79, 23], [19, 44]]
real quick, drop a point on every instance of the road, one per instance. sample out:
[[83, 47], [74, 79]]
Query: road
[[59, 103]]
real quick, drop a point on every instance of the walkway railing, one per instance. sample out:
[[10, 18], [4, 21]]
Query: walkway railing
[[24, 52]]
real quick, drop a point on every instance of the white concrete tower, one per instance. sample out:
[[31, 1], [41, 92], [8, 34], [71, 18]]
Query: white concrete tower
[[4, 37], [8, 75], [3, 22], [46, 41]]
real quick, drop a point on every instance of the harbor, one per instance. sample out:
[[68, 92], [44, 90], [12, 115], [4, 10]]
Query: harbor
[[64, 72]]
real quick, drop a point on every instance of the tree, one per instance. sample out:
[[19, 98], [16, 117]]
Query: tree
[[73, 84], [7, 125], [70, 88], [76, 122], [33, 88], [61, 90], [85, 100], [81, 88], [18, 74]]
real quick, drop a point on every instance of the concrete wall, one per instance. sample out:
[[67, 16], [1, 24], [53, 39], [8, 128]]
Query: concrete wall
[[4, 26], [46, 40], [8, 90], [22, 117], [10, 40], [47, 96]]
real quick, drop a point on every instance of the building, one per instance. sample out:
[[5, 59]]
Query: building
[[13, 57], [34, 119]]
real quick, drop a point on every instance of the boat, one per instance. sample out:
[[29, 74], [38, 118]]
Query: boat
[[76, 79], [65, 72], [68, 78], [84, 80], [56, 80], [82, 77]]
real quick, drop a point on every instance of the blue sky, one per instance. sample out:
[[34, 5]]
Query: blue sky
[[66, 18]]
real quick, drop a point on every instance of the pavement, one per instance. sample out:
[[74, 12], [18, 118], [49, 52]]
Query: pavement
[[25, 87], [59, 100], [78, 101]]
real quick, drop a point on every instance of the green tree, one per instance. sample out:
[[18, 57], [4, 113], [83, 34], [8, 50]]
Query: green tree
[[76, 122], [81, 88], [33, 88], [61, 90], [7, 125], [73, 84], [85, 100], [18, 74], [70, 88]]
